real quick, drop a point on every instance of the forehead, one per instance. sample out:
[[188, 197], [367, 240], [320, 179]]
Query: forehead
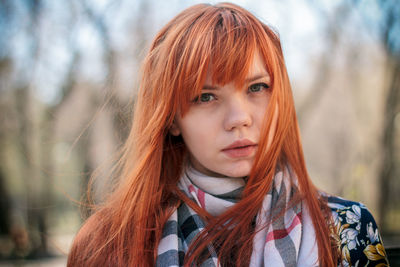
[[257, 67]]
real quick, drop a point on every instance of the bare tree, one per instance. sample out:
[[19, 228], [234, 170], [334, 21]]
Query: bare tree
[[325, 68], [390, 37], [35, 161], [384, 21]]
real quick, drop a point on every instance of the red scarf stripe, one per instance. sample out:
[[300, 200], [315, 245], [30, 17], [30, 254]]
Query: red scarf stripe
[[282, 233]]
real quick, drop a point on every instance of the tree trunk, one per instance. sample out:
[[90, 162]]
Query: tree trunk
[[388, 171]]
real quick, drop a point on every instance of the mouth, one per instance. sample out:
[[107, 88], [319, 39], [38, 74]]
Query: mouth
[[240, 149]]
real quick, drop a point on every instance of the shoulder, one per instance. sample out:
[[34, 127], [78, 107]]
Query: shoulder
[[357, 234]]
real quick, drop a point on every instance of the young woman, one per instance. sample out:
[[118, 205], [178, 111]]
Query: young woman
[[213, 172]]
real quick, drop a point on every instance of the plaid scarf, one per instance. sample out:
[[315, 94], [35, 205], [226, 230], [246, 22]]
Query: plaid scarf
[[288, 240]]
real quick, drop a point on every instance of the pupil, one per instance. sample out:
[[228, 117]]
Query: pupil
[[205, 98]]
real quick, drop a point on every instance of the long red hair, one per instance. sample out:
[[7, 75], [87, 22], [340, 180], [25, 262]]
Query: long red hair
[[126, 228]]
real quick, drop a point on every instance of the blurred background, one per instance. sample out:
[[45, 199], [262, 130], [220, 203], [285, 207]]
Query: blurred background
[[69, 73]]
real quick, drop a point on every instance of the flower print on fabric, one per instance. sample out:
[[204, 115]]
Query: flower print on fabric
[[371, 234], [356, 234], [349, 238]]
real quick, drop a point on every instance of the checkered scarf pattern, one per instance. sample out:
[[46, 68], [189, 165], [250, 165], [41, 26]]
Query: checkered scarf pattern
[[288, 240]]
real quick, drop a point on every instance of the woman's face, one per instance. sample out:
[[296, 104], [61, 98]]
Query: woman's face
[[222, 126]]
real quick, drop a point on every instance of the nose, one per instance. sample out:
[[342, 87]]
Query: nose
[[237, 114]]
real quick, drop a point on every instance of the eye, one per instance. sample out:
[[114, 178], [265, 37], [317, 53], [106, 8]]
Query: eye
[[257, 87], [204, 98]]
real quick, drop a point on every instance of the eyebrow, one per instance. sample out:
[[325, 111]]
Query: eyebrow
[[209, 87], [247, 80], [257, 77]]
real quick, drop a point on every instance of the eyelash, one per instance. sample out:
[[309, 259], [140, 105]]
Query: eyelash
[[251, 87], [263, 85], [198, 98]]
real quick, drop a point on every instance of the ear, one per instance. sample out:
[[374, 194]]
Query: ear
[[174, 129]]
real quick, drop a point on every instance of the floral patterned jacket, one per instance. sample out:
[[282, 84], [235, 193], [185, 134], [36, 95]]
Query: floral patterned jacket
[[358, 239]]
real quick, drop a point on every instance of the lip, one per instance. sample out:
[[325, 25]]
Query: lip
[[240, 149]]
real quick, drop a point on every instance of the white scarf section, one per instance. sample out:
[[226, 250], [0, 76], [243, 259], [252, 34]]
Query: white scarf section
[[214, 194], [286, 241]]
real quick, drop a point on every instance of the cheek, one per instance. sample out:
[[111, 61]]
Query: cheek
[[200, 135], [194, 132], [272, 130], [260, 110]]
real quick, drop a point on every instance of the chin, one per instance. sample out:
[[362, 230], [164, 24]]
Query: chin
[[241, 170], [238, 173], [229, 170]]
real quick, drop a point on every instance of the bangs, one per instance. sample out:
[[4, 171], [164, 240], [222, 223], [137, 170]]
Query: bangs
[[222, 40], [234, 45]]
